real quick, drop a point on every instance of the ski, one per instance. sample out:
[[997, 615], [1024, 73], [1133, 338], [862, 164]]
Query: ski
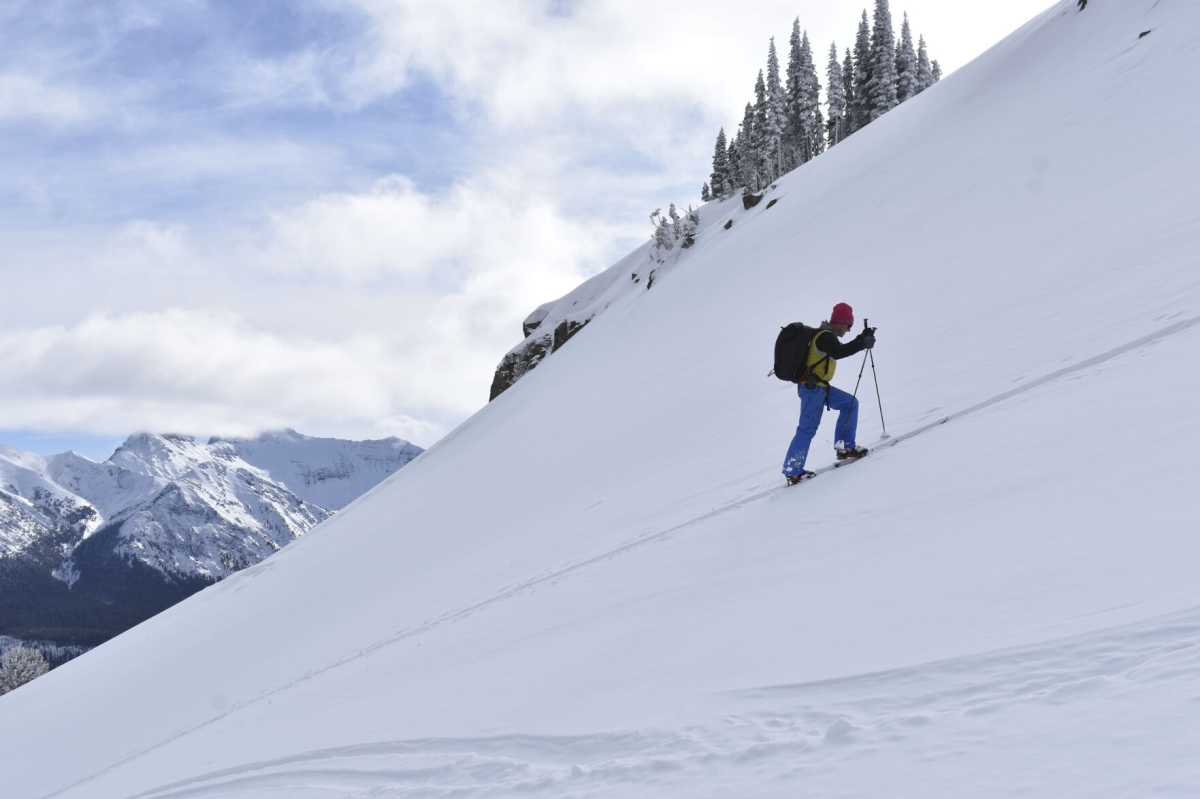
[[832, 466]]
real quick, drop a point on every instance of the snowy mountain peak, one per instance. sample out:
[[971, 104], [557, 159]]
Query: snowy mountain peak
[[37, 506], [167, 456], [162, 517], [329, 472]]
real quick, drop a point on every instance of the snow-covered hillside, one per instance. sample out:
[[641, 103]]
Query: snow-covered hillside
[[630, 606]]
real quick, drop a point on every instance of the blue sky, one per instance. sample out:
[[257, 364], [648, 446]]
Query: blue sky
[[219, 217]]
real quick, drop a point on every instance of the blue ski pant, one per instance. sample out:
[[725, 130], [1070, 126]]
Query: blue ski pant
[[812, 406]]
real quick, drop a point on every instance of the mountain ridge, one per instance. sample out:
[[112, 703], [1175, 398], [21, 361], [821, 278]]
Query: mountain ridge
[[163, 517]]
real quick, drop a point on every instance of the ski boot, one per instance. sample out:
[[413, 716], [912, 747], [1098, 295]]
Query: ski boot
[[800, 478], [851, 453]]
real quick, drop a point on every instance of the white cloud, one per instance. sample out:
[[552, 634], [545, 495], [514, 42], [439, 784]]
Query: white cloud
[[481, 226], [200, 372], [27, 98], [380, 312]]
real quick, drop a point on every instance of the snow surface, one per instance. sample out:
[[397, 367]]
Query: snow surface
[[1004, 603]]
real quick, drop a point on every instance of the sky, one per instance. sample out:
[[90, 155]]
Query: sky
[[219, 217]]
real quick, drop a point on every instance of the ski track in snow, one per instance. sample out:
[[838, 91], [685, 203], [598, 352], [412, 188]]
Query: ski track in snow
[[777, 733], [566, 570]]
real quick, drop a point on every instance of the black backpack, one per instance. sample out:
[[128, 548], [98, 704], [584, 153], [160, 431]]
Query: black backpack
[[791, 351]]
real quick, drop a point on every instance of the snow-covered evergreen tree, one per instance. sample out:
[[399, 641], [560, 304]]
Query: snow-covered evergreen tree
[[924, 68], [906, 64], [860, 112], [732, 159], [882, 87], [705, 192], [814, 120], [676, 222], [749, 158], [851, 98], [720, 166], [806, 123], [776, 118], [836, 124], [784, 126], [19, 665], [691, 223], [664, 239], [795, 94], [761, 117]]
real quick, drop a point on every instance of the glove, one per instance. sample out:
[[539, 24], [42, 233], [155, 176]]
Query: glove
[[867, 338]]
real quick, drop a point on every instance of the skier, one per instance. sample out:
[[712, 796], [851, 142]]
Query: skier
[[816, 393]]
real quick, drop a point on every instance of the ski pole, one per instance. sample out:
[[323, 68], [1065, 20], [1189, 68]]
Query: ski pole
[[860, 374], [878, 398], [866, 324]]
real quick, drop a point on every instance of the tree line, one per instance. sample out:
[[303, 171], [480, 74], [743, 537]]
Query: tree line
[[785, 126]]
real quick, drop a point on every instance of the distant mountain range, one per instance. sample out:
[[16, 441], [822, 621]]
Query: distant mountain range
[[89, 549]]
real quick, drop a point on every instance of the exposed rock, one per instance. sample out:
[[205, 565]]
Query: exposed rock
[[519, 361], [567, 328], [750, 199]]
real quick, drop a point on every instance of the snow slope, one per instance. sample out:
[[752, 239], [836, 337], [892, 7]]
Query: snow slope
[[1004, 603]]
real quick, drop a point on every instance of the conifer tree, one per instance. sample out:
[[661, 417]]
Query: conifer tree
[[836, 124], [776, 121], [906, 64], [732, 159], [705, 192], [814, 120], [663, 237], [761, 117], [937, 71], [720, 166], [861, 110], [851, 98], [924, 68], [691, 223], [795, 95], [882, 88], [749, 160], [20, 665]]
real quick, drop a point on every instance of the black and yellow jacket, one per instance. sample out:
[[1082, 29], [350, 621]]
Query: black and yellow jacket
[[824, 353]]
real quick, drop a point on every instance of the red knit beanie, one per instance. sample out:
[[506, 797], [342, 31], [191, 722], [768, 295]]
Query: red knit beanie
[[842, 314]]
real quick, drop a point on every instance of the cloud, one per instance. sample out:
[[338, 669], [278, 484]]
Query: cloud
[[489, 224], [198, 372], [30, 99], [357, 313]]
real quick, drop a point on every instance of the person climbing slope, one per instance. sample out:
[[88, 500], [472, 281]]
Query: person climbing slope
[[822, 350]]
